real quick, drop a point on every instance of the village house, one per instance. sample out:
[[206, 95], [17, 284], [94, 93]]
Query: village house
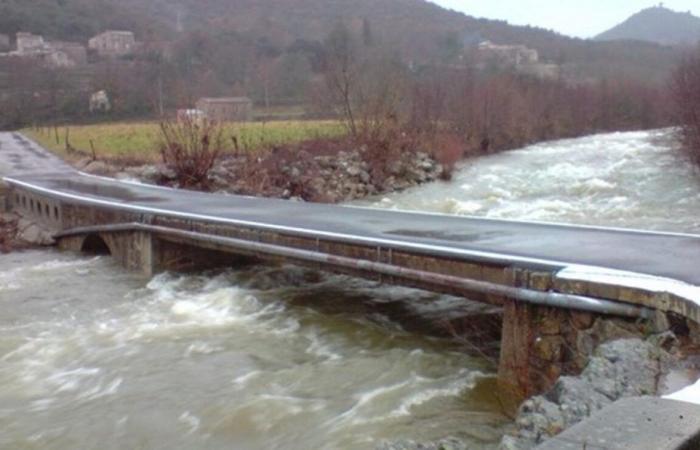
[[224, 109], [187, 115], [52, 54], [512, 55], [518, 57], [113, 43], [28, 43]]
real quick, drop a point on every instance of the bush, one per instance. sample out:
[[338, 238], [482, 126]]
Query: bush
[[448, 150], [191, 147]]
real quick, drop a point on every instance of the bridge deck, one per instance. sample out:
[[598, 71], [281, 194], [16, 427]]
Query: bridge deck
[[550, 246]]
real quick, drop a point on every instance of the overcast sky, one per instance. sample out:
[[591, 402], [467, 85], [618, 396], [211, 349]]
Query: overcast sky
[[581, 18]]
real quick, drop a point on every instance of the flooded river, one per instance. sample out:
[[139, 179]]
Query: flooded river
[[94, 357], [629, 180]]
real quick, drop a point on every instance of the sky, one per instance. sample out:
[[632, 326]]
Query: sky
[[580, 18]]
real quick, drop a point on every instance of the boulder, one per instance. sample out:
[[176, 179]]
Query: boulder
[[99, 168], [619, 369], [33, 233], [449, 443]]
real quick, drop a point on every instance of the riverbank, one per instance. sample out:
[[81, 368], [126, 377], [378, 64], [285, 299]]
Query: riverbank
[[17, 233], [9, 239], [624, 368], [323, 171], [633, 359]]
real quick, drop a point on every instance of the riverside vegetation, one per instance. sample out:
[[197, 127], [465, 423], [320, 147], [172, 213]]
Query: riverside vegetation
[[313, 160], [395, 127], [686, 93]]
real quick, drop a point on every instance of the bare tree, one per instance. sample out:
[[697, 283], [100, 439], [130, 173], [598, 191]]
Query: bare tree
[[686, 93], [341, 71]]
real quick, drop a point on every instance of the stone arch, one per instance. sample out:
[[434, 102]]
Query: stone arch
[[95, 245]]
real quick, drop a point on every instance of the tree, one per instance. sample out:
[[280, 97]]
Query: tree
[[686, 94], [341, 72]]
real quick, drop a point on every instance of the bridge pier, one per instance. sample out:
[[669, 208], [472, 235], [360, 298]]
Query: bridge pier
[[134, 249], [536, 348], [141, 251], [541, 343]]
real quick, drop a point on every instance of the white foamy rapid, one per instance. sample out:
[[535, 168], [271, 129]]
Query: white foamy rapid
[[631, 180], [93, 357]]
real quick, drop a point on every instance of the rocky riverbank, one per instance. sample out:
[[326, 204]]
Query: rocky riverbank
[[629, 366], [17, 233], [331, 176], [624, 368]]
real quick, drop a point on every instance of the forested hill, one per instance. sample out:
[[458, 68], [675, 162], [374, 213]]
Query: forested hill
[[418, 25], [419, 30], [76, 20], [658, 24]]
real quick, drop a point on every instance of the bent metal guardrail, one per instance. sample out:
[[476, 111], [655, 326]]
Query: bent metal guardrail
[[552, 299]]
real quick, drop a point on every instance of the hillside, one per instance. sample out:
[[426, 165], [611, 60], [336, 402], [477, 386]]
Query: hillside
[[659, 25], [418, 30], [75, 20]]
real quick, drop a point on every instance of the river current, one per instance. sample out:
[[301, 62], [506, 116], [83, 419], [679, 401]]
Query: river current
[[94, 357], [629, 180]]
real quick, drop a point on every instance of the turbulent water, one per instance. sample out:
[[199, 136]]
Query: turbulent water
[[259, 358], [631, 180], [95, 357]]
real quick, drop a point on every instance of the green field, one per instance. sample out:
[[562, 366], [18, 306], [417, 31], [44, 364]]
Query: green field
[[140, 141]]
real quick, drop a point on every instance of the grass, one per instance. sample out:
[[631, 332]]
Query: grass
[[140, 141]]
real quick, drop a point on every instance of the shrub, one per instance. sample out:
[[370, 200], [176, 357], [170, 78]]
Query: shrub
[[190, 148], [447, 149]]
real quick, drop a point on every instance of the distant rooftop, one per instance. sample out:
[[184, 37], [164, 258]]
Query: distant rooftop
[[122, 33], [225, 99]]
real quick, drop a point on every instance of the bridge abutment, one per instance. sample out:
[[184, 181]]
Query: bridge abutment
[[539, 344]]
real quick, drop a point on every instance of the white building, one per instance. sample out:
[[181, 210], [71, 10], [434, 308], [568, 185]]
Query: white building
[[113, 43]]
